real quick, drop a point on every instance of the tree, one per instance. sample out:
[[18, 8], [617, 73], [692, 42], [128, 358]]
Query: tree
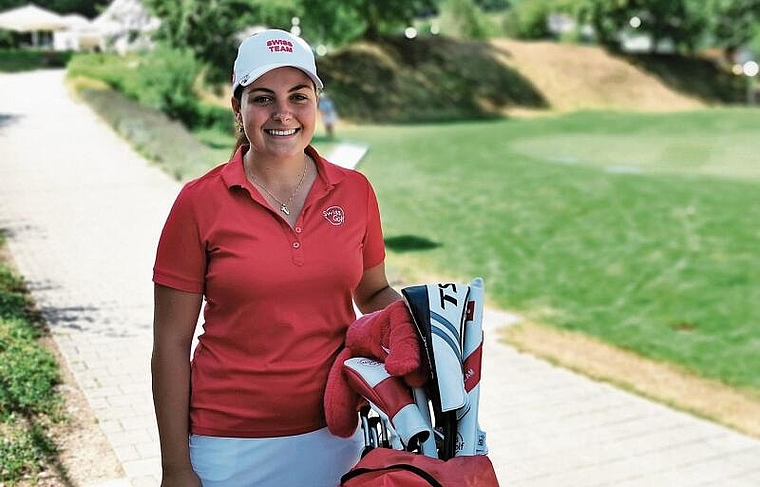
[[209, 28], [339, 21], [467, 17], [734, 23], [681, 21], [493, 5]]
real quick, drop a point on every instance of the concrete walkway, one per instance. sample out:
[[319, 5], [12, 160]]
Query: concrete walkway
[[83, 213]]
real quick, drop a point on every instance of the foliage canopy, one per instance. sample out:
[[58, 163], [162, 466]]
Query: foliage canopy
[[689, 24]]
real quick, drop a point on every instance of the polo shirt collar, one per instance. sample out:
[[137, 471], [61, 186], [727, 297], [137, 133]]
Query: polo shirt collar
[[233, 173]]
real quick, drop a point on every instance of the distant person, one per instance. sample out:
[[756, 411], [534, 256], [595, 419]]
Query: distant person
[[329, 114], [279, 243]]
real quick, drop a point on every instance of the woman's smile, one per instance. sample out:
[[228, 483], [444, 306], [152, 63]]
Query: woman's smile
[[281, 132]]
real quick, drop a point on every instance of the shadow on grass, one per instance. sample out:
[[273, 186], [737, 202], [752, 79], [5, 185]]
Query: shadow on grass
[[410, 243], [6, 119], [696, 77]]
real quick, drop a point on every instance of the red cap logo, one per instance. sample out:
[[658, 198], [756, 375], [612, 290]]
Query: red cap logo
[[280, 45]]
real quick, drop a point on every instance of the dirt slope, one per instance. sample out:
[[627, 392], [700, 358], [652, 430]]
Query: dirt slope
[[572, 77]]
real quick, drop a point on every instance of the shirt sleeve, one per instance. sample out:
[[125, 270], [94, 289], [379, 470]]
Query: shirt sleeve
[[374, 246], [181, 255]]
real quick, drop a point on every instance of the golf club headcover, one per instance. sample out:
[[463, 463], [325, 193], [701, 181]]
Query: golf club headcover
[[439, 312], [390, 395], [341, 402], [387, 335]]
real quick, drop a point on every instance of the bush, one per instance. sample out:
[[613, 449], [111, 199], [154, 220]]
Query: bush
[[13, 299], [13, 60], [28, 372], [162, 79], [28, 376], [118, 72], [215, 117], [165, 80], [527, 20], [467, 19]]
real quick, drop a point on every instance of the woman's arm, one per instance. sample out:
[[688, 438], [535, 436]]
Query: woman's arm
[[174, 318], [374, 292]]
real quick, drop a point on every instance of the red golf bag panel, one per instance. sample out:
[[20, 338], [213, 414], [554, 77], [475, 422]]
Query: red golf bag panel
[[385, 467]]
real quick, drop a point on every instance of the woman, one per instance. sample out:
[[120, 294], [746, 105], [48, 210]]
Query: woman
[[279, 242], [329, 114]]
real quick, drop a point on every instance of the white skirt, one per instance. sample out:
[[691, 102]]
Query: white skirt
[[316, 459]]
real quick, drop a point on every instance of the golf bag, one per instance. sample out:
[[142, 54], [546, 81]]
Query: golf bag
[[406, 445], [386, 467]]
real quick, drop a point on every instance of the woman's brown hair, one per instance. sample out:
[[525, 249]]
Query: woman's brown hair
[[242, 139]]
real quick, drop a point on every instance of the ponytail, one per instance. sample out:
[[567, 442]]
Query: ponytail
[[242, 139]]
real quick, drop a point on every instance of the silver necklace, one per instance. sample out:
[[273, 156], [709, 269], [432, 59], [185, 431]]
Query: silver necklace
[[283, 206]]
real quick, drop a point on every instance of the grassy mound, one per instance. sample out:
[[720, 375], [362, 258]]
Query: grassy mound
[[424, 79], [700, 78], [400, 80]]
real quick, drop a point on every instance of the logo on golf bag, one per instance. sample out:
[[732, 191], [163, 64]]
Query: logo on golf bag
[[459, 445], [443, 290]]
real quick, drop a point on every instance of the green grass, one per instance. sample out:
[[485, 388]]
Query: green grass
[[29, 403], [641, 230], [638, 229]]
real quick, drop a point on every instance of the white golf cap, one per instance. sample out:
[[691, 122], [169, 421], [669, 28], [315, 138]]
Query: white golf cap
[[272, 49]]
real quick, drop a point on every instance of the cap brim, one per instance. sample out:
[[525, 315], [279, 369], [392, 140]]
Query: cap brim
[[262, 70]]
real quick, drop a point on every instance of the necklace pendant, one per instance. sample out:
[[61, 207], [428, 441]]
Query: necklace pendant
[[284, 209]]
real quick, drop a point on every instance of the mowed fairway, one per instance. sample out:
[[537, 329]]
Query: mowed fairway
[[642, 230]]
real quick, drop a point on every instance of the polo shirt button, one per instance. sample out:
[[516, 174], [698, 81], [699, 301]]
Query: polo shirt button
[[298, 230], [296, 245]]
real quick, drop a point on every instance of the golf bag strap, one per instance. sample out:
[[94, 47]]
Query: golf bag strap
[[394, 468], [397, 466]]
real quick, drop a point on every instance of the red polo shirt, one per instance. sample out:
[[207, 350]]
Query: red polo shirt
[[278, 299]]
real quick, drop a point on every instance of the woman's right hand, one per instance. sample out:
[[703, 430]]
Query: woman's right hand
[[181, 478]]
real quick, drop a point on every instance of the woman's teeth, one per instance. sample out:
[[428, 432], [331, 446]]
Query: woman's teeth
[[282, 133]]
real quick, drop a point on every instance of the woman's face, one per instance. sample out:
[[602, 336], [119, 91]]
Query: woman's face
[[278, 112]]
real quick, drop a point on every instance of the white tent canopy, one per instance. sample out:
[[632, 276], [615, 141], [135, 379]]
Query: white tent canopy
[[30, 18], [77, 22]]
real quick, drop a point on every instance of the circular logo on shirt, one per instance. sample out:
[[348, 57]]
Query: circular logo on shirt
[[335, 215]]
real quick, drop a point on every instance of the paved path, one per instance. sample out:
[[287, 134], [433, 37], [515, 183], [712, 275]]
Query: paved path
[[83, 213]]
